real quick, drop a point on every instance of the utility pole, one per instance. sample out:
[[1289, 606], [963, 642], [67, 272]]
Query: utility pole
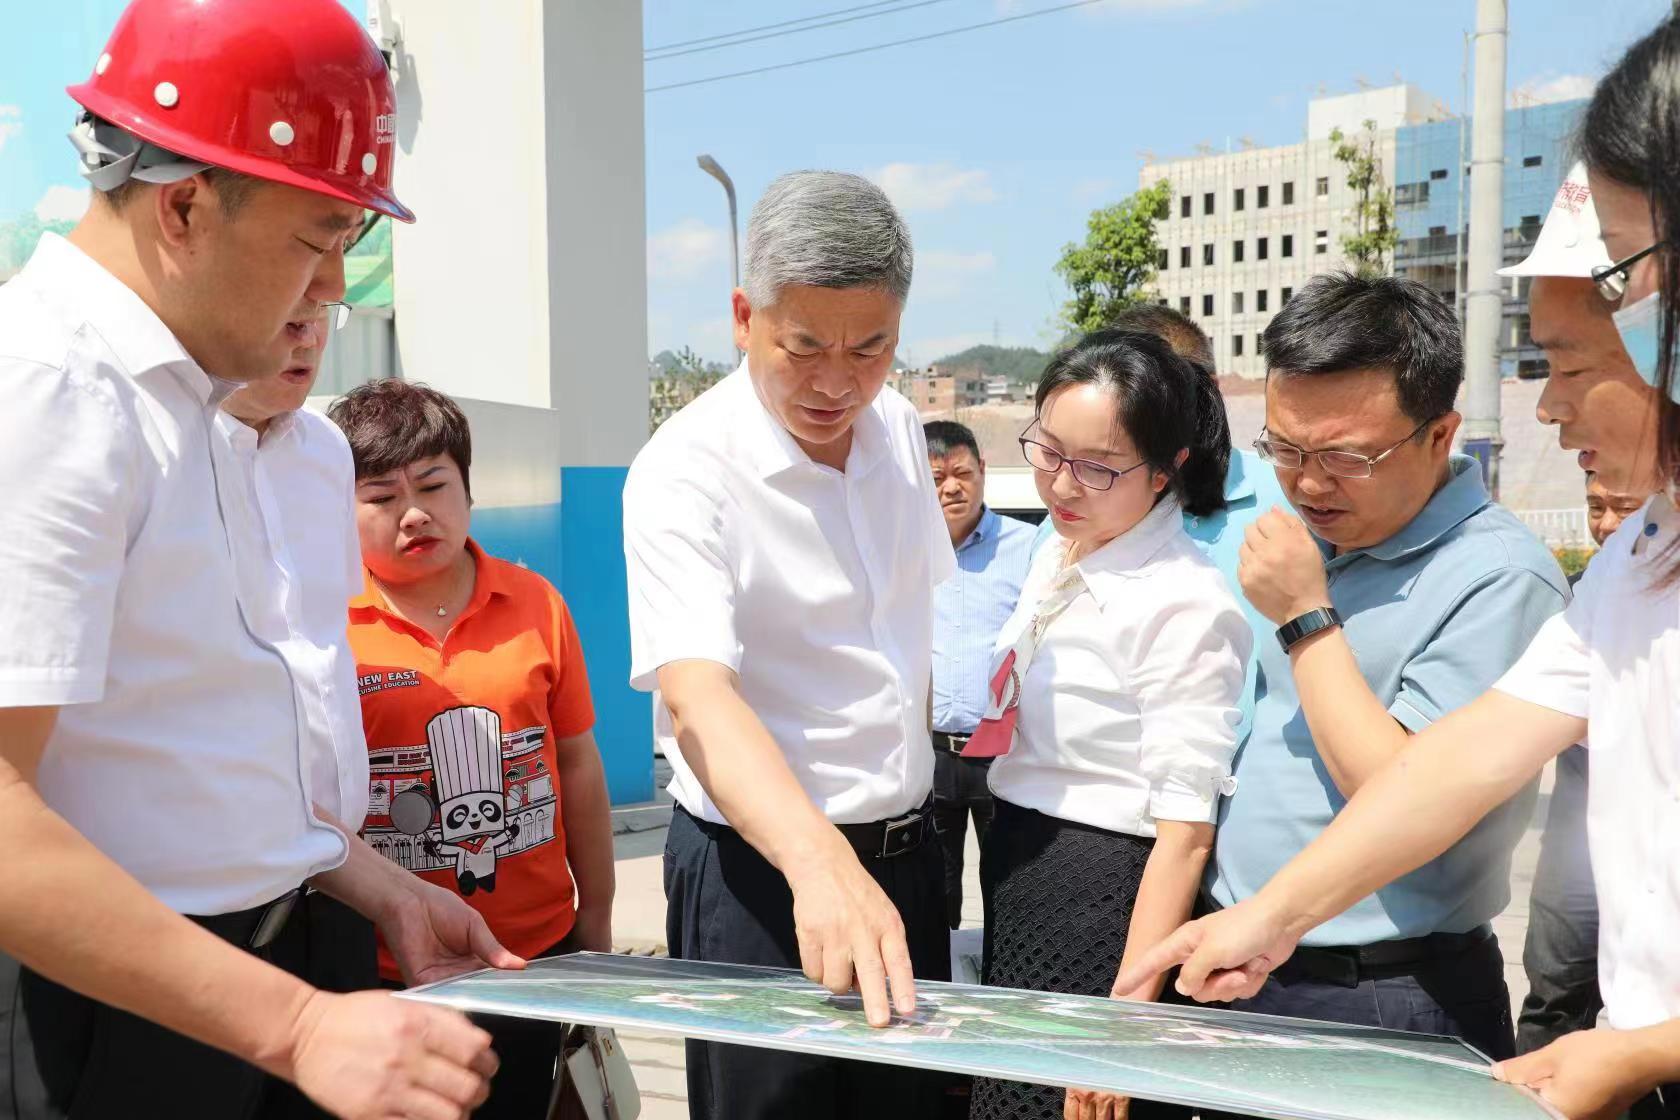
[[1484, 302]]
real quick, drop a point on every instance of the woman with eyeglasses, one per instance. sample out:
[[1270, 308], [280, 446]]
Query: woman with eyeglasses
[[1606, 672], [1116, 687]]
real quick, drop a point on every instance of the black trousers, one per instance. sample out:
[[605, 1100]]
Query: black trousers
[[1462, 994], [959, 792], [725, 902], [1664, 1104], [66, 1057]]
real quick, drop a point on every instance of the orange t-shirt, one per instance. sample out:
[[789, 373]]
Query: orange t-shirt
[[461, 748]]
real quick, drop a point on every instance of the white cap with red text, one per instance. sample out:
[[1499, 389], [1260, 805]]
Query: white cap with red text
[[1569, 244]]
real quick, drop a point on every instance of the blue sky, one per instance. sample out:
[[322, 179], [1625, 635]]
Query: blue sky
[[996, 143]]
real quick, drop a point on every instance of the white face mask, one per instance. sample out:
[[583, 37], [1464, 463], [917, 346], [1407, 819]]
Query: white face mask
[[1639, 325]]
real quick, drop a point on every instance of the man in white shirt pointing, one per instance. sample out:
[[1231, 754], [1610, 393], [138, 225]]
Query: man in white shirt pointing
[[168, 738], [783, 542]]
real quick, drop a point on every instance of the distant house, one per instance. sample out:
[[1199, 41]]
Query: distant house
[[937, 391]]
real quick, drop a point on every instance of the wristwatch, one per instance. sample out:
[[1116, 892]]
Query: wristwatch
[[1306, 625]]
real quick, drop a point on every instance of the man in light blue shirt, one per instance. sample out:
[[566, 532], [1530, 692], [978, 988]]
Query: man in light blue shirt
[[1401, 593], [993, 555], [1251, 486]]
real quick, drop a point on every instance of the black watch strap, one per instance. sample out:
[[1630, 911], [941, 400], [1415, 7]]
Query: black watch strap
[[1306, 625]]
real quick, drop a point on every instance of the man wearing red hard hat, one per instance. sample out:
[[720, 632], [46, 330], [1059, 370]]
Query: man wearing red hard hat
[[174, 768]]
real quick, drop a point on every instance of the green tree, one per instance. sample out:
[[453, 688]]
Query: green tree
[[1374, 233], [18, 238], [1115, 267]]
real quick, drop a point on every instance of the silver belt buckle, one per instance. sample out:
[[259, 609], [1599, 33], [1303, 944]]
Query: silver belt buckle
[[899, 827], [274, 918]]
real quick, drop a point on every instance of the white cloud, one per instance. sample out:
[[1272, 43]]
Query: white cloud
[[688, 250], [11, 123], [62, 204], [1089, 191], [1547, 88], [941, 273], [713, 339], [933, 186]]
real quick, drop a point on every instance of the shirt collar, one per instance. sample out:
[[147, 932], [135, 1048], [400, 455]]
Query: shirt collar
[[1463, 496], [1237, 483], [121, 318], [774, 450], [1107, 569], [280, 428], [984, 530]]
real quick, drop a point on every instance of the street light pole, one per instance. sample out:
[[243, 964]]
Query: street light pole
[[710, 167]]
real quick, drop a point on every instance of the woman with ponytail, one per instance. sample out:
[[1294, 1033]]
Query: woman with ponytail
[[1606, 672], [1116, 686]]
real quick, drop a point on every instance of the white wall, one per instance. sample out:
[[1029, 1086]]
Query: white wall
[[1390, 107], [471, 283], [524, 280], [597, 228]]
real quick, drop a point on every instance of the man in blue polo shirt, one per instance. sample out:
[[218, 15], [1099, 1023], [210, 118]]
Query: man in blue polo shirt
[[1251, 486], [1400, 592], [993, 555]]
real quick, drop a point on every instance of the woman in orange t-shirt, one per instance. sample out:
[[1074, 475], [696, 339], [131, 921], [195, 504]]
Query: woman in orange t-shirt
[[484, 773]]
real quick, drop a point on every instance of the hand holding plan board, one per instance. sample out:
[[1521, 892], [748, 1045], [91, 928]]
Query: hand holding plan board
[[1257, 1065]]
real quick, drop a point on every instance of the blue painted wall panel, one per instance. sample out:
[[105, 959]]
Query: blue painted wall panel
[[592, 565], [577, 545]]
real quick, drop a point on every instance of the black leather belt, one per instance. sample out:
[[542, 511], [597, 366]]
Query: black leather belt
[[1348, 965], [257, 927], [943, 741], [889, 838]]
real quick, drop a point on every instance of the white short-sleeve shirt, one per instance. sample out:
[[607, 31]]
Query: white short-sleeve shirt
[[1613, 659], [300, 492], [128, 601], [814, 585], [1130, 705]]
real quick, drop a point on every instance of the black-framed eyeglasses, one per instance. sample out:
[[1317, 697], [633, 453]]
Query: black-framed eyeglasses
[[1612, 279], [1342, 464], [337, 313], [367, 227], [1086, 472]]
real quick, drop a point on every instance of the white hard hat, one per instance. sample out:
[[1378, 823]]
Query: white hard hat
[[1569, 244]]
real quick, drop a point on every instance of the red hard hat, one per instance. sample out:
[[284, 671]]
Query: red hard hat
[[292, 92]]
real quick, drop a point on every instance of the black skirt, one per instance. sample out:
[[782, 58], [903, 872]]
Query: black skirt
[[1058, 900]]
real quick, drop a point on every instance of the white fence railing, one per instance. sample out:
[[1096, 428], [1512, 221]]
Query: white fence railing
[[1559, 528]]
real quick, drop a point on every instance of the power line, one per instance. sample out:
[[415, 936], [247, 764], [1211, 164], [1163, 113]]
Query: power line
[[797, 30], [875, 47], [768, 26]]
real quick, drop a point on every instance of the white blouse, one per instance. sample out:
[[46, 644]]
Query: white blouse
[[1129, 706], [1613, 659]]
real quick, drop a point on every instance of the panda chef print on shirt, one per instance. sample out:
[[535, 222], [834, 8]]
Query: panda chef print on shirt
[[466, 747]]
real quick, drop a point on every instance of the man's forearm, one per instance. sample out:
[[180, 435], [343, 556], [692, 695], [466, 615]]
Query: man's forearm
[[588, 817], [745, 774], [1450, 776], [71, 914], [1354, 734], [1655, 1053]]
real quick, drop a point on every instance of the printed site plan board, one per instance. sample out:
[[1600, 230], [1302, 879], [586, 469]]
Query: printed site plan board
[[1258, 1065]]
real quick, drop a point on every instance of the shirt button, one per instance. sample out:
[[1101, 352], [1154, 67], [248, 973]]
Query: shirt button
[[1195, 522]]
